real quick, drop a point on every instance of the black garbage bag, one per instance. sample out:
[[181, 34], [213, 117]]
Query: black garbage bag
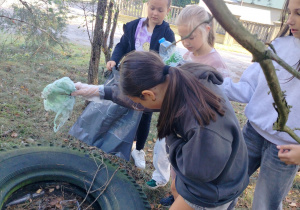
[[108, 126]]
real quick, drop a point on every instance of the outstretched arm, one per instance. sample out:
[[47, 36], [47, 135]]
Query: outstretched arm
[[290, 154], [89, 92], [97, 92]]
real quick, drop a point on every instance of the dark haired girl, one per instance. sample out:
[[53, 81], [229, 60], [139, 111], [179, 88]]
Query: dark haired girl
[[203, 137]]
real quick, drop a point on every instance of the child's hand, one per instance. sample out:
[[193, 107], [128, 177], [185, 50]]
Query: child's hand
[[110, 65], [89, 92], [290, 154]]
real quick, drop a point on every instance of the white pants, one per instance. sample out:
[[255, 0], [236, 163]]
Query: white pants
[[161, 162]]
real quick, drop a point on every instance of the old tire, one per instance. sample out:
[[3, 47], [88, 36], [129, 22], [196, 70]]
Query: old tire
[[23, 166]]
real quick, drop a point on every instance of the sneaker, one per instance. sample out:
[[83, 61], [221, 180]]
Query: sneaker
[[139, 158], [168, 201], [152, 184]]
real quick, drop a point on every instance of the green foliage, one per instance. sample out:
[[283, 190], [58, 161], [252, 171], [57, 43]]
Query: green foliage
[[183, 3], [40, 23]]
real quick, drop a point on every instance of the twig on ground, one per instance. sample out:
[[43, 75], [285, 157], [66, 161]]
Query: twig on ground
[[105, 187], [91, 185]]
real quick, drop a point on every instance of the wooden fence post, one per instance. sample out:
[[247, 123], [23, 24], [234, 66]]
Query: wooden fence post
[[275, 30], [228, 40]]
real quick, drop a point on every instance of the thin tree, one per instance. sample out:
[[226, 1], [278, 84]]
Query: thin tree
[[100, 38], [97, 42]]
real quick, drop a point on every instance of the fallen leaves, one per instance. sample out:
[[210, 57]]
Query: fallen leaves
[[49, 196], [29, 140], [293, 204], [39, 191], [56, 202], [6, 133], [14, 135], [291, 199]]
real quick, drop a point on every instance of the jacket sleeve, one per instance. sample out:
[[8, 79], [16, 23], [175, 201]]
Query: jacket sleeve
[[169, 35], [243, 90], [121, 48], [202, 158]]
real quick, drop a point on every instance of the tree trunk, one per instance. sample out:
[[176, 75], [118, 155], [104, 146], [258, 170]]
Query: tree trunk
[[110, 31], [97, 43]]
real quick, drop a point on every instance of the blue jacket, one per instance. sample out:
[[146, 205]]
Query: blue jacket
[[127, 42]]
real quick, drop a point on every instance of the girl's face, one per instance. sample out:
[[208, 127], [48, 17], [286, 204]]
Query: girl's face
[[157, 11], [294, 17], [196, 42], [152, 98]]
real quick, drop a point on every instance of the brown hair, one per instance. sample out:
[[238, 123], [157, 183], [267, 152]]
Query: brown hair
[[146, 22], [185, 93], [192, 16], [284, 28]]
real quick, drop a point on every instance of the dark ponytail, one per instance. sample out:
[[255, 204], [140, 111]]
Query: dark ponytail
[[284, 28], [186, 93]]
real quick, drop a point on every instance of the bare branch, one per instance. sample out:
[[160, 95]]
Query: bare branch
[[107, 30], [113, 30], [282, 63], [86, 24], [24, 3], [291, 133], [112, 176], [91, 185]]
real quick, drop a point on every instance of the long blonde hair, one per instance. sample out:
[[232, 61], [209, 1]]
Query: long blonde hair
[[192, 16]]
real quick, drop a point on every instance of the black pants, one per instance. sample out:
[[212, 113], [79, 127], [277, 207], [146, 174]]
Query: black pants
[[143, 130]]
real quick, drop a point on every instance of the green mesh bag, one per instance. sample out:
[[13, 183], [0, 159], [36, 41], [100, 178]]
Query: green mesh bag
[[57, 98]]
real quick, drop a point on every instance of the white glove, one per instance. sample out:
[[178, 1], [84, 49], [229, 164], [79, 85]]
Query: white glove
[[89, 92]]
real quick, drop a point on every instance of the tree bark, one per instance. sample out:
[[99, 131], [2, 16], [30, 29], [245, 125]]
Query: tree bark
[[97, 43], [107, 30], [113, 30]]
